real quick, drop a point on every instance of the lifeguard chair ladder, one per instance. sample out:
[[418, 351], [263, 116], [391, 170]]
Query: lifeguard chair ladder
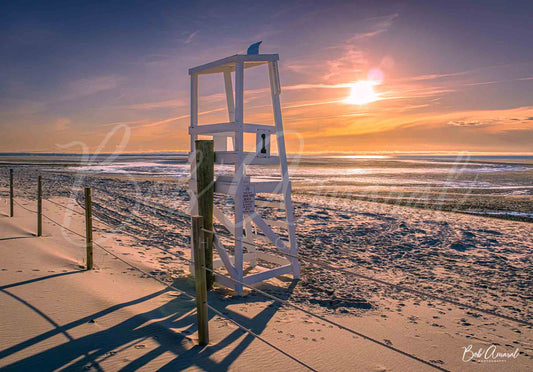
[[239, 186]]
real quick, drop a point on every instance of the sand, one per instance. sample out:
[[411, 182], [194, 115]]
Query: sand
[[60, 316]]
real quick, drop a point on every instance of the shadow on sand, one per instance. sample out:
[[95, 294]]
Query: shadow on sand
[[17, 237], [17, 229], [85, 353]]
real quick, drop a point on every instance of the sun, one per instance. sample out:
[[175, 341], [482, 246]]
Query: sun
[[362, 93]]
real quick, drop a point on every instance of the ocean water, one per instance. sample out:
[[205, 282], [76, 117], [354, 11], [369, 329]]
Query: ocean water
[[494, 174], [489, 185]]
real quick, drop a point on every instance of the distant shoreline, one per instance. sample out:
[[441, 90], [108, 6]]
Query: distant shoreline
[[395, 154], [494, 186]]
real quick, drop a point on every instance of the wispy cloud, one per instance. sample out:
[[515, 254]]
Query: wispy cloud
[[349, 66], [62, 124], [374, 27], [89, 86], [172, 119], [434, 76], [180, 102], [159, 104], [317, 86], [164, 121], [482, 83], [354, 60], [191, 36], [466, 123], [115, 123], [311, 104], [425, 92]]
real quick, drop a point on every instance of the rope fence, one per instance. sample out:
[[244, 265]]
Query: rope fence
[[326, 266], [316, 262], [283, 302], [287, 303], [213, 309], [400, 287]]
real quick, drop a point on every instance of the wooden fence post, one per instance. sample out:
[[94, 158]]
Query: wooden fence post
[[89, 228], [39, 207], [205, 187], [200, 282], [11, 193]]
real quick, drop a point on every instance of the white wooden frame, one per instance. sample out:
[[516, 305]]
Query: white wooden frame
[[251, 222]]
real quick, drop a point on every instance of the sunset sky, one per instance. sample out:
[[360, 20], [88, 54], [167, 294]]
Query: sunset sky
[[447, 75]]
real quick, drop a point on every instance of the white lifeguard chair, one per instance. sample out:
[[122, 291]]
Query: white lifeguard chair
[[248, 228]]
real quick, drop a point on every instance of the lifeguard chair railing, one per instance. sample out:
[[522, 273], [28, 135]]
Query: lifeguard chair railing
[[246, 225]]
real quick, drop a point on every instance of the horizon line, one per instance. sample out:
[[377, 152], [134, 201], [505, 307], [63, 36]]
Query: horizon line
[[328, 153]]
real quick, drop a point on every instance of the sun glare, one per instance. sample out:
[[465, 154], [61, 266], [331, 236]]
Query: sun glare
[[362, 93]]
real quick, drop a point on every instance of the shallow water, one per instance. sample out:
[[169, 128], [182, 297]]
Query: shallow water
[[492, 185], [501, 173]]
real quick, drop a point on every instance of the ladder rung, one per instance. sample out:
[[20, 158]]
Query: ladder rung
[[230, 128], [267, 187]]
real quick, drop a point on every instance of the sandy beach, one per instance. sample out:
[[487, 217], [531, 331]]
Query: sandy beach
[[288, 185], [256, 186], [116, 317]]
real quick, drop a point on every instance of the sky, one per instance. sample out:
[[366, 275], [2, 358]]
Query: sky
[[448, 76]]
